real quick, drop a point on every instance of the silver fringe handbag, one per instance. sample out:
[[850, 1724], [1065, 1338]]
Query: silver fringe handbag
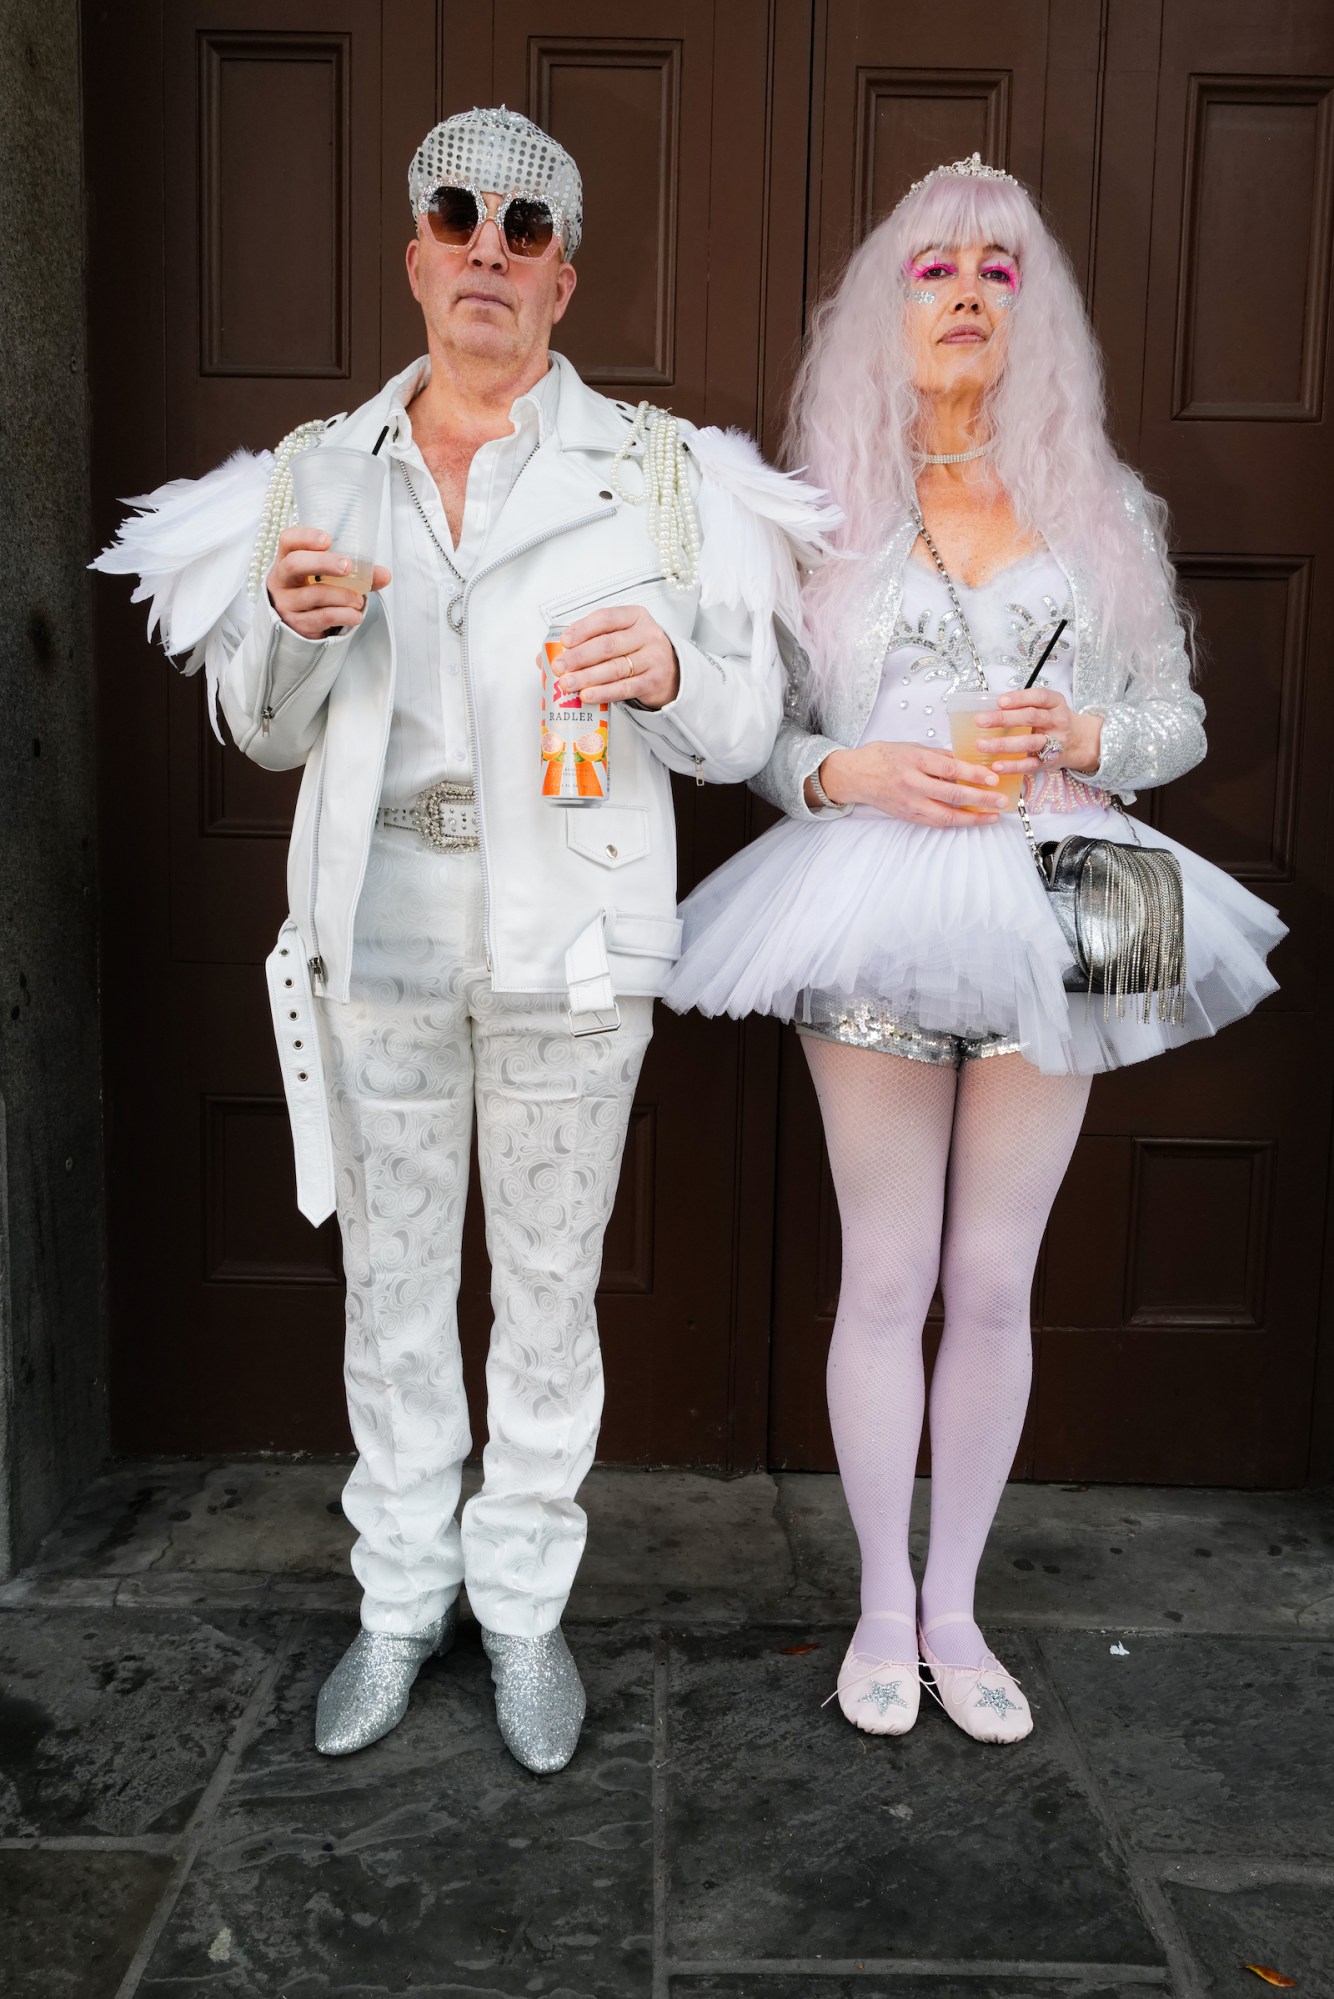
[[1120, 907]]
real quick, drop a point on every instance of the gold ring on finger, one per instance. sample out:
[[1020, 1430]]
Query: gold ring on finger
[[631, 668]]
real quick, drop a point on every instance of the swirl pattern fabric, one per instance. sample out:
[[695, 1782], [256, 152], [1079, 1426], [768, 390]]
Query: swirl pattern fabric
[[422, 1039]]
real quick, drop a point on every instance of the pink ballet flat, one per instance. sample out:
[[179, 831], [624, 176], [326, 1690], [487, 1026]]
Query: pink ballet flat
[[985, 1701], [880, 1696]]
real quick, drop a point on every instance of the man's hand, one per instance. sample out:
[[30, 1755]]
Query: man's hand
[[619, 654], [310, 608], [908, 781]]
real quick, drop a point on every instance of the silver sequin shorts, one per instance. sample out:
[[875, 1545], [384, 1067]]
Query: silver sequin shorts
[[867, 1022]]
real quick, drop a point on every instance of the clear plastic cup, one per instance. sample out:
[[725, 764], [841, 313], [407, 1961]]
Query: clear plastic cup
[[342, 492], [963, 711]]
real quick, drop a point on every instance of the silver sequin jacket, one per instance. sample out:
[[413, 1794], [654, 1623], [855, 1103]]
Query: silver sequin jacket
[[1152, 719]]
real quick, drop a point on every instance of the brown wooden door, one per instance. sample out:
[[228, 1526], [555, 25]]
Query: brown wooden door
[[247, 208], [263, 247], [1178, 1300]]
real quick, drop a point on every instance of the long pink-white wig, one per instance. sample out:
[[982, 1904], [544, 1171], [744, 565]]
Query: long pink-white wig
[[856, 420]]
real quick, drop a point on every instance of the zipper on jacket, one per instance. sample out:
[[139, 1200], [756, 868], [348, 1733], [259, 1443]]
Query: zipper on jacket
[[269, 711], [266, 682], [699, 771], [511, 555]]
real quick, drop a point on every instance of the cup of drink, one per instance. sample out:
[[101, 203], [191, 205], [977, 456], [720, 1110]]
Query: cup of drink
[[342, 492], [963, 710]]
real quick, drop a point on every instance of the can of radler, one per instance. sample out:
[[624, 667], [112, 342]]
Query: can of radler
[[574, 738]]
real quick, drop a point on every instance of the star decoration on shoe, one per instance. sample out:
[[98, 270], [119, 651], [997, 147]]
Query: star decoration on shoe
[[996, 1699], [885, 1694]]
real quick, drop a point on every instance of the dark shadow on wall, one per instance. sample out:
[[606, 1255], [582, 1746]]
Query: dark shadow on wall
[[53, 1421]]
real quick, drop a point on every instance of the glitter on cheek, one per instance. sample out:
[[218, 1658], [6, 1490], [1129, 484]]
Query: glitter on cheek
[[1003, 283], [922, 297]]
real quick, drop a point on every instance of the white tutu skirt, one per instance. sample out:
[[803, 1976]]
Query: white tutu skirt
[[951, 929]]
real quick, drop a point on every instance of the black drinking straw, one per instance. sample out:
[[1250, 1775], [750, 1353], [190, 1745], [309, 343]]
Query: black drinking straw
[[1051, 647]]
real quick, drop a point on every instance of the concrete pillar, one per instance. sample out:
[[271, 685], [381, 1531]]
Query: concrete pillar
[[53, 1403]]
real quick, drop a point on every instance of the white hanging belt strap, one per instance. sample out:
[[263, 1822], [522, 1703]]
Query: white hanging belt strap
[[296, 1030], [591, 997]]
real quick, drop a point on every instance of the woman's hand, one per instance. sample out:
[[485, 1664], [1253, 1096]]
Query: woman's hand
[[1046, 714], [620, 654], [310, 608], [908, 781]]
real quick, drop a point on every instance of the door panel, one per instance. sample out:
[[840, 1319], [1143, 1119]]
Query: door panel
[[247, 274], [283, 215], [1177, 1302], [1203, 1368], [897, 92]]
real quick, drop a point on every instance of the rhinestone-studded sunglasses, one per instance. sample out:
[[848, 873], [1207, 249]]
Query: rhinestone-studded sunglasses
[[456, 217]]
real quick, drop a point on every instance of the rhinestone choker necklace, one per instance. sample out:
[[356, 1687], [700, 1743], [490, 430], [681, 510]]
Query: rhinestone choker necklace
[[955, 457]]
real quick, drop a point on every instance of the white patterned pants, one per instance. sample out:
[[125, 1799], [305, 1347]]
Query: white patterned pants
[[421, 1039]]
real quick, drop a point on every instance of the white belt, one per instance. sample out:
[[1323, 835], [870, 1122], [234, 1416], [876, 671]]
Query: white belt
[[445, 817], [297, 1033]]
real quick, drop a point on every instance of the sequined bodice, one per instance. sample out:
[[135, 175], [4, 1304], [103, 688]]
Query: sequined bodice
[[1011, 617]]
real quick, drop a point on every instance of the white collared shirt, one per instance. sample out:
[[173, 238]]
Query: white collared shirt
[[429, 736]]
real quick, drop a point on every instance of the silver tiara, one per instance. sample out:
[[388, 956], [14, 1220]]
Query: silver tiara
[[971, 169], [503, 152]]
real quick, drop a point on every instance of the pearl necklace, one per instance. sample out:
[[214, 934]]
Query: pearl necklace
[[673, 524], [955, 457], [279, 509]]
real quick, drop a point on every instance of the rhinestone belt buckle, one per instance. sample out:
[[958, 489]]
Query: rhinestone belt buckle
[[446, 818]]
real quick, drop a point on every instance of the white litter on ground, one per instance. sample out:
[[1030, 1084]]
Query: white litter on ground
[[1119, 1651]]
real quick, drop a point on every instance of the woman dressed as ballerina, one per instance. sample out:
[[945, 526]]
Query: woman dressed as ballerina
[[992, 544]]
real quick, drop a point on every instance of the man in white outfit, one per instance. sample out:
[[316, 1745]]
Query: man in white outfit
[[456, 940]]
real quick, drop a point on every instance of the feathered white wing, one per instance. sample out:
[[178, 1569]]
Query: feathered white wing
[[757, 526], [190, 545]]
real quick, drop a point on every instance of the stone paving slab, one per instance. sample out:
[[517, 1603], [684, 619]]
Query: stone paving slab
[[1289, 1926], [794, 1836], [702, 1549], [274, 1516], [431, 1861], [1208, 1747], [114, 1724], [868, 1984], [69, 1922], [1194, 1767], [682, 1531], [1129, 1557]]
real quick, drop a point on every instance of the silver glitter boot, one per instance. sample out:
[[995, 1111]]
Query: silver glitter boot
[[540, 1702], [367, 1692]]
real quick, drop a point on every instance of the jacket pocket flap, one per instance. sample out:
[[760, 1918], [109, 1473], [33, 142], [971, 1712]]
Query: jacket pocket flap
[[611, 835], [644, 936], [564, 610]]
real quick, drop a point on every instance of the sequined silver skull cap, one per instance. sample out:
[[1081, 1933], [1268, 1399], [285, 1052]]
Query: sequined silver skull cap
[[499, 152]]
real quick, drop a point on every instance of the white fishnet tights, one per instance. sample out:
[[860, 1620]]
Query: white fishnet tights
[[938, 1173]]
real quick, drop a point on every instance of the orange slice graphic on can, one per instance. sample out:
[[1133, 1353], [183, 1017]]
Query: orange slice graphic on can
[[592, 745], [552, 744]]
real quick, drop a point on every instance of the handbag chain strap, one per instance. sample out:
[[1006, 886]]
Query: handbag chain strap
[[985, 684]]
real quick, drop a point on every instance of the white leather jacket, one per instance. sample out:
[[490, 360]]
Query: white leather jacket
[[579, 904], [567, 544]]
